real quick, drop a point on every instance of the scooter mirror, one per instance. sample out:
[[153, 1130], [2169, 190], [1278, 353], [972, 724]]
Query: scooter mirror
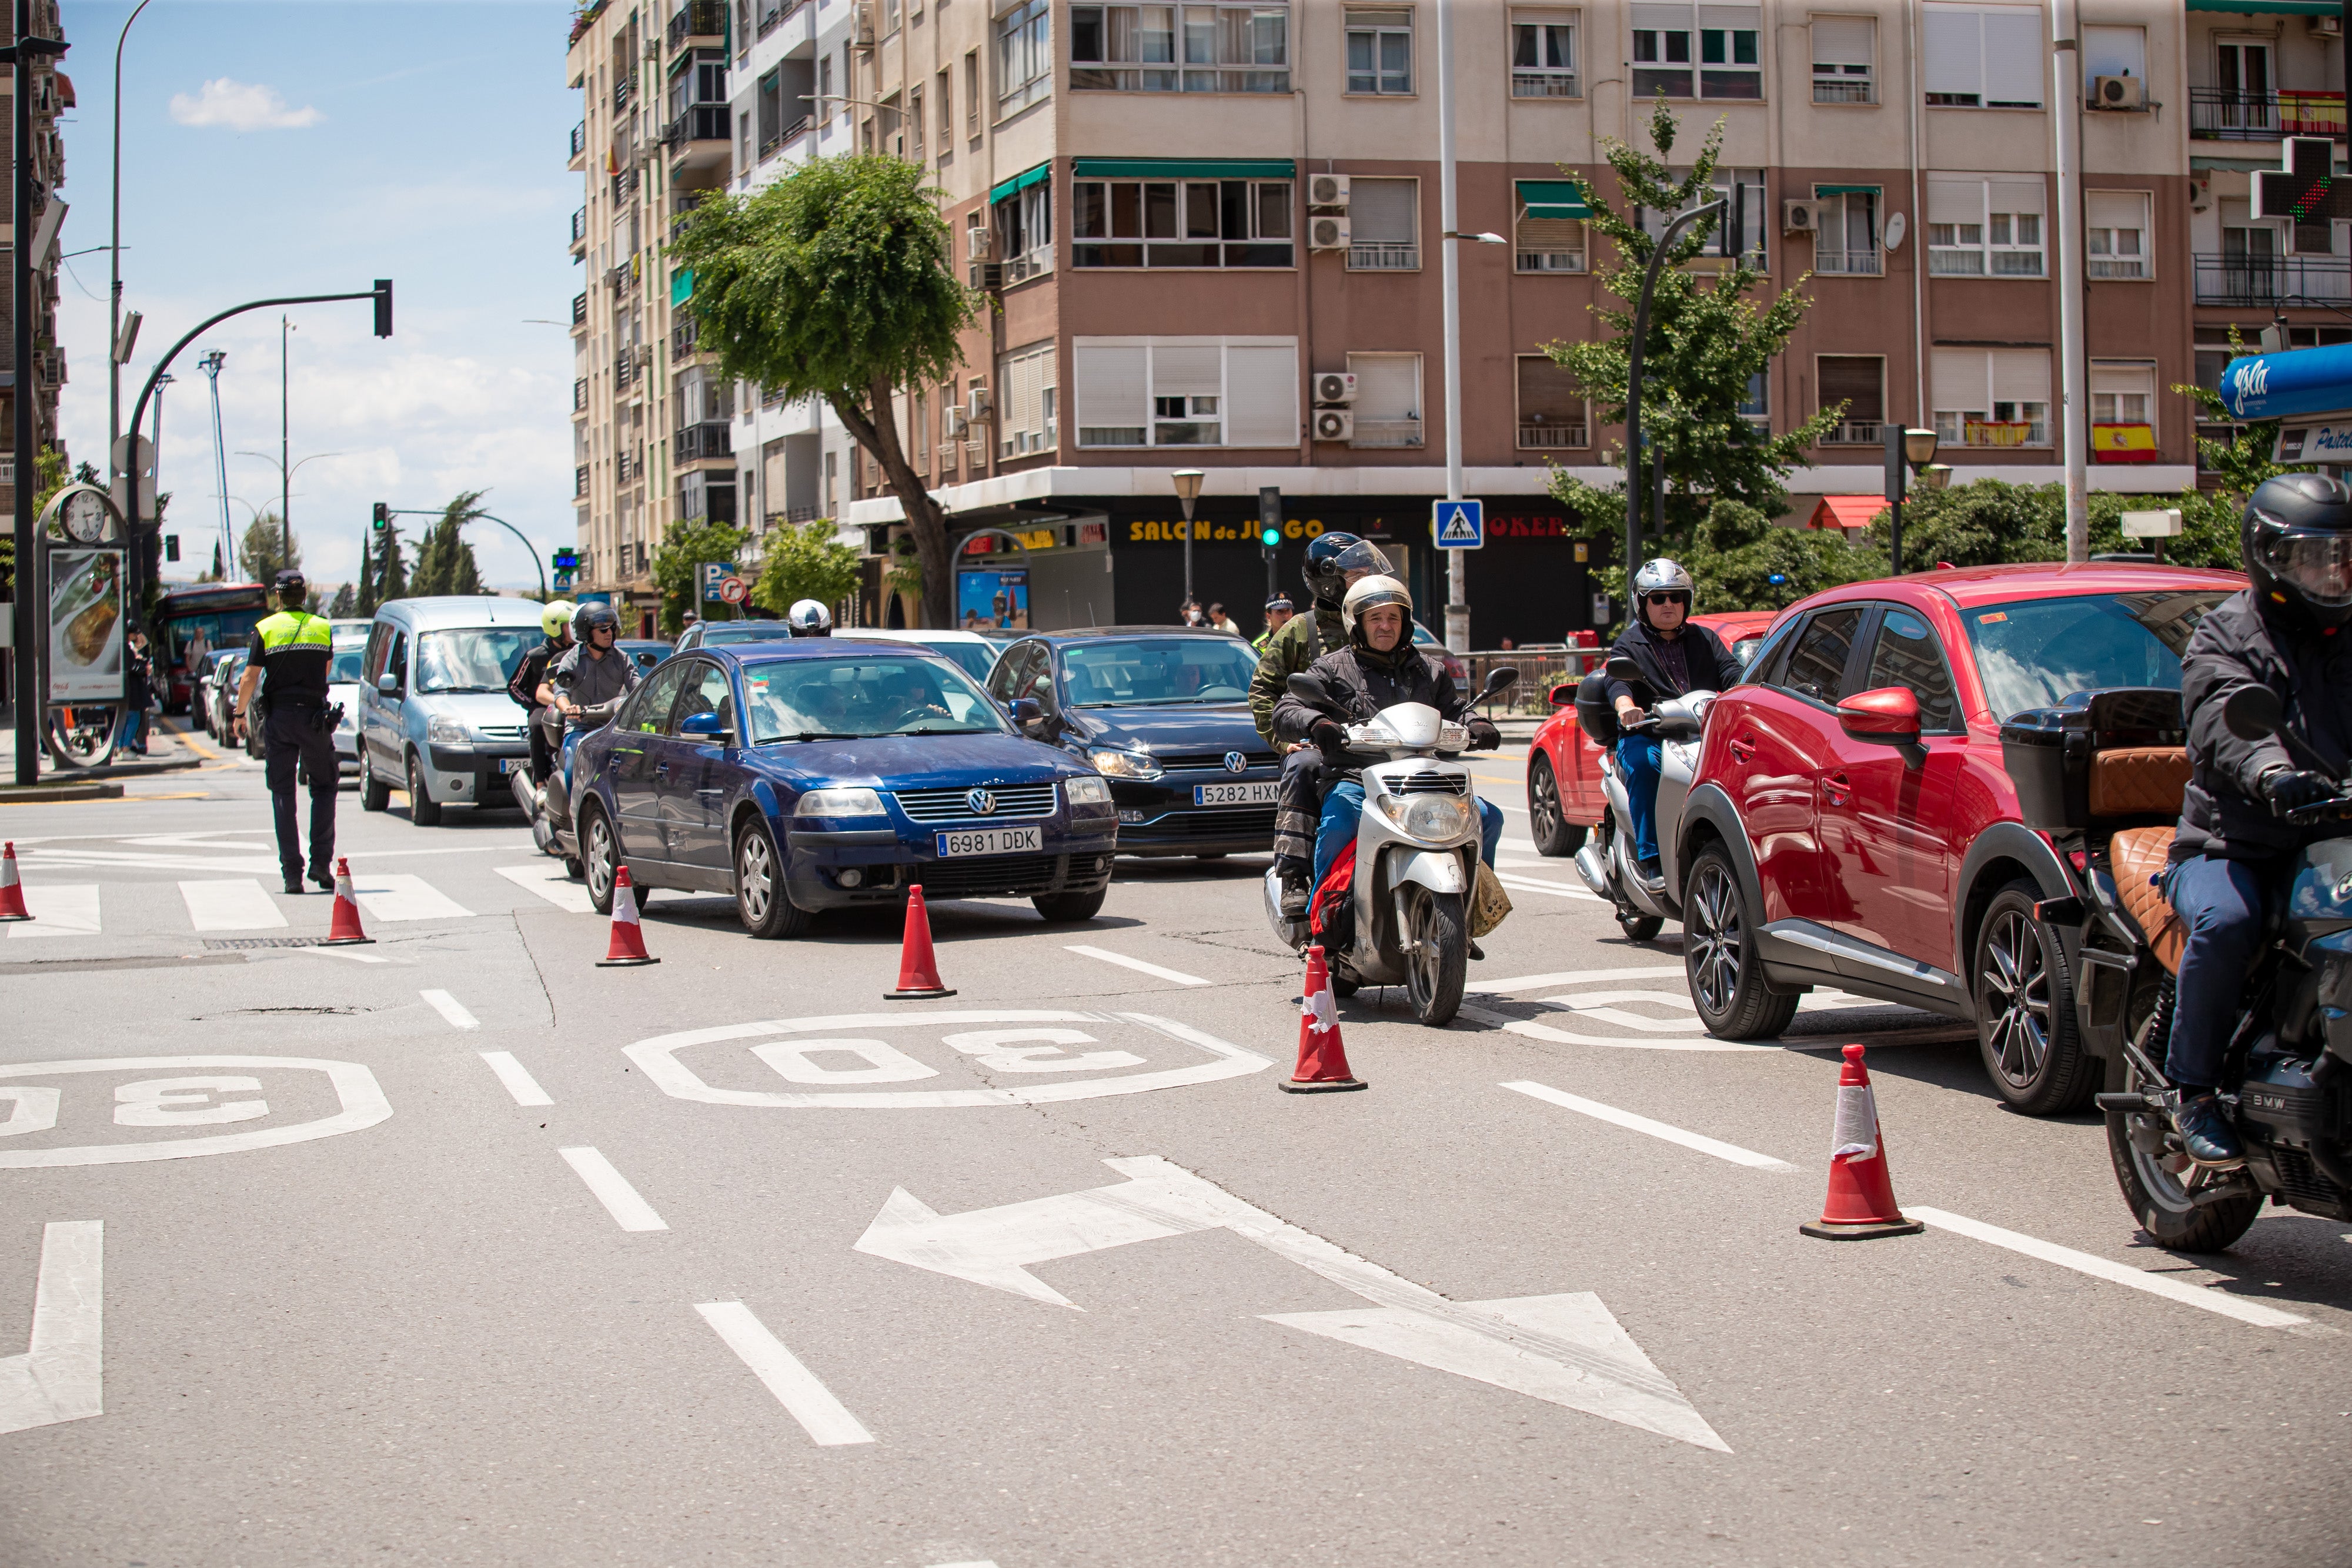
[[2254, 713], [1308, 688], [1501, 678], [1622, 667]]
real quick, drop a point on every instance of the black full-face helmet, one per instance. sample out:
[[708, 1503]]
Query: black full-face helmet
[[1331, 556], [2297, 537]]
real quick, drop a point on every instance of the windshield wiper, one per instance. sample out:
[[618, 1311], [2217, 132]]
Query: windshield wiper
[[809, 735], [444, 691], [927, 729]]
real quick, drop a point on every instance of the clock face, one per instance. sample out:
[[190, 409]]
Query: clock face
[[84, 515]]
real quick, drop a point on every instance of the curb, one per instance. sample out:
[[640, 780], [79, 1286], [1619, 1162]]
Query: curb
[[95, 791]]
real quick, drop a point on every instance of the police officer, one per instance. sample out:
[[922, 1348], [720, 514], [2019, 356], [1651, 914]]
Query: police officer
[[293, 648]]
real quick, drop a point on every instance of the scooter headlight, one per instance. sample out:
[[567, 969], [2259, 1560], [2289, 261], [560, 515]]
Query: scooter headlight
[[1435, 817]]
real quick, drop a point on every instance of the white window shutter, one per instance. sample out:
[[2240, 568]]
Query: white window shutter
[[2012, 195], [2122, 377], [1262, 395], [1111, 387], [1380, 211], [1673, 18], [1842, 41], [2115, 209], [2016, 55], [1747, 17], [1956, 199], [2020, 375], [1961, 380], [1951, 50], [1186, 369], [1387, 386]]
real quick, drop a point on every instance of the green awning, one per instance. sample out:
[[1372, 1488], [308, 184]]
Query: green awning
[[1845, 190], [1037, 176], [682, 288], [1552, 199], [1184, 169], [2271, 8]]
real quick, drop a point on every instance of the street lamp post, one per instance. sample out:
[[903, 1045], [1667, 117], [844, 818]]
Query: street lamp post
[[1188, 490], [1633, 396], [22, 53], [211, 365], [531, 551], [1908, 452], [114, 251]]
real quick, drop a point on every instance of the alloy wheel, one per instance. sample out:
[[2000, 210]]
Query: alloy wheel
[[755, 879], [1546, 789], [599, 857], [2017, 986], [1714, 939]]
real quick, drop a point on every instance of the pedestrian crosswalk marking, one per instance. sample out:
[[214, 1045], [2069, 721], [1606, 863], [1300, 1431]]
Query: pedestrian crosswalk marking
[[403, 897], [233, 903], [57, 912], [548, 880]]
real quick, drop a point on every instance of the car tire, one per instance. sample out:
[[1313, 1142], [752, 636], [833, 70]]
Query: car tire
[[1725, 971], [423, 809], [2024, 999], [763, 902], [1554, 835], [599, 856], [1069, 908], [374, 793]]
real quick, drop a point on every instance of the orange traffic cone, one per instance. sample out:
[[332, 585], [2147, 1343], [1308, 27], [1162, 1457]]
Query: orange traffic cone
[[345, 932], [1322, 1058], [918, 971], [11, 891], [628, 945], [1862, 1198]]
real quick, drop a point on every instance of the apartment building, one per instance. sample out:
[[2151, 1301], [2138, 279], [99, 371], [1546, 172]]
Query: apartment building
[[1208, 237], [53, 93]]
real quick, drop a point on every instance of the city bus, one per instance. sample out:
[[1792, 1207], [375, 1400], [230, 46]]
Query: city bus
[[201, 617]]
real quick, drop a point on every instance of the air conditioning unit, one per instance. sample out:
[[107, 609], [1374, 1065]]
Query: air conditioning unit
[[1334, 387], [2329, 27], [957, 423], [1800, 216], [2118, 92], [866, 23], [1327, 234], [1335, 424], [977, 404], [1328, 190], [2200, 196], [978, 243], [988, 276]]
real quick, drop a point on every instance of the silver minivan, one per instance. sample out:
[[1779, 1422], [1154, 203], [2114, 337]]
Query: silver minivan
[[435, 718]]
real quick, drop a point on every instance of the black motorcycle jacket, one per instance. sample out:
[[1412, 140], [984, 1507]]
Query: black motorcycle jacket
[[1365, 682], [2239, 643], [1709, 663]]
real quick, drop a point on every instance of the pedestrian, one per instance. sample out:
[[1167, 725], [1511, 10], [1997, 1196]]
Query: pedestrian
[[138, 689], [1223, 622], [293, 649], [1278, 612], [1189, 613]]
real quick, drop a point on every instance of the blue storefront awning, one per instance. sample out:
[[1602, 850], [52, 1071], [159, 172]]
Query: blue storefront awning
[[2302, 381]]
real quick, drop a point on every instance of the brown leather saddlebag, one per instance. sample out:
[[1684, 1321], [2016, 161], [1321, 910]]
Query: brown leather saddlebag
[[2139, 857]]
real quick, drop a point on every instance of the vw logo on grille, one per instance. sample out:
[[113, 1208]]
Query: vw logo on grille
[[982, 801], [1235, 762]]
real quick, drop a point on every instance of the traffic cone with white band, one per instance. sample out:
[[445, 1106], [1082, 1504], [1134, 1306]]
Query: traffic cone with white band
[[345, 931], [628, 944], [1860, 1201], [1322, 1058], [11, 891], [919, 970]]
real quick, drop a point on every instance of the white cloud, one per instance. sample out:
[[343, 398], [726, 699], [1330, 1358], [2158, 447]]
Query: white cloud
[[223, 101]]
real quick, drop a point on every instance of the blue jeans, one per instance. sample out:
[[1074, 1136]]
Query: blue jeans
[[1343, 808], [1639, 758], [2222, 903], [134, 725]]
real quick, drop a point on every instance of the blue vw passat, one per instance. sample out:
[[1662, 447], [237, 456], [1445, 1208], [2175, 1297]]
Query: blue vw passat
[[816, 775]]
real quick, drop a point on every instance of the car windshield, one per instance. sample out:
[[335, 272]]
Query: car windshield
[[473, 659], [2037, 653], [723, 633], [345, 667], [1159, 670], [848, 699], [975, 659]]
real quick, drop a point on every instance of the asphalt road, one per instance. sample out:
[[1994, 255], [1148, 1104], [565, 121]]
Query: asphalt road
[[496, 1256]]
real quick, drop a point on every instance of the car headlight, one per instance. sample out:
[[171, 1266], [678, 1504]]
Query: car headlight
[[840, 803], [446, 731], [1083, 791], [1428, 815], [1125, 763]]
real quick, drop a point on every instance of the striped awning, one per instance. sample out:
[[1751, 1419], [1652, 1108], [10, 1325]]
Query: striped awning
[[1552, 199]]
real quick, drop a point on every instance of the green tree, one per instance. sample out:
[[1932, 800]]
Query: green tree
[[259, 553], [444, 560], [835, 283], [806, 562], [387, 576], [345, 604], [684, 548], [2243, 459]]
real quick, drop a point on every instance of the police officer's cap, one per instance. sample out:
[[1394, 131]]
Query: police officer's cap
[[290, 581]]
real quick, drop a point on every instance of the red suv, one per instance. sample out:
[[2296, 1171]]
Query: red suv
[[1852, 826]]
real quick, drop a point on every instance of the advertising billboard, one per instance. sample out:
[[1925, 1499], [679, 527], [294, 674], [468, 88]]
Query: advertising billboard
[[997, 599], [85, 625]]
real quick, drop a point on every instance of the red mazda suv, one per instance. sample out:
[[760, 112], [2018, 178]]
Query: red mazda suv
[[1851, 825]]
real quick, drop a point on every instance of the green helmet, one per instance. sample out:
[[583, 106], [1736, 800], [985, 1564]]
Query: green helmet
[[556, 619]]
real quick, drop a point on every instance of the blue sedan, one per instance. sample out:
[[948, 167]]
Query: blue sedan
[[815, 775]]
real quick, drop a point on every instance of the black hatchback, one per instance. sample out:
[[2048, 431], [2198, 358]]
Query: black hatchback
[[1162, 713]]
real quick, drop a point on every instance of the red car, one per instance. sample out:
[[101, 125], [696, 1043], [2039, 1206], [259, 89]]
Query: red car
[[1829, 843], [1564, 765]]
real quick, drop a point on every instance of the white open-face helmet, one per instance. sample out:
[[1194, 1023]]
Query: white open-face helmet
[[1663, 576], [1370, 592], [808, 618]]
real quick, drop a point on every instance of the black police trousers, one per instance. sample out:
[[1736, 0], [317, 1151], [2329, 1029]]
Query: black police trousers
[[290, 736]]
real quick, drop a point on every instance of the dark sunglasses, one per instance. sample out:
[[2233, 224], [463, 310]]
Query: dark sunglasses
[[1665, 596]]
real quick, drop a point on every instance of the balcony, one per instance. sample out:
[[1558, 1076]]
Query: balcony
[[1378, 432], [681, 340], [580, 308], [698, 19], [1381, 255], [1550, 261], [1867, 262], [618, 277], [700, 122], [580, 139], [2274, 280], [711, 438], [2225, 114], [625, 368], [627, 470], [769, 145], [1543, 84], [579, 395], [1995, 433], [580, 229], [624, 90], [772, 13], [579, 481], [1857, 433], [624, 187], [1538, 433]]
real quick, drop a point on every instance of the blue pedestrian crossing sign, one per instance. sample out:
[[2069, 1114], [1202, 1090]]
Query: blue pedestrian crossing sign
[[1458, 525]]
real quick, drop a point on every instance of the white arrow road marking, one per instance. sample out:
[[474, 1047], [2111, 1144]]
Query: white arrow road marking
[[517, 1078], [236, 904], [546, 879], [1544, 1031], [450, 1007], [1139, 966], [629, 1211], [386, 896], [1629, 1120], [1566, 1350], [2106, 1269], [58, 1378], [70, 910], [796, 1388]]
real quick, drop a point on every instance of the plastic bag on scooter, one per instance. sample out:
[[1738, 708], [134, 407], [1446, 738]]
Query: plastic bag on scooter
[[1331, 916], [1490, 904]]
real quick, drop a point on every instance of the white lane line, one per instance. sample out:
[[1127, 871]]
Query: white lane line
[[1627, 1119], [1518, 884], [59, 1378], [827, 1420], [975, 1563], [2106, 1268], [237, 903], [517, 1078], [1575, 977], [70, 910], [402, 897], [1139, 966], [1544, 1031], [546, 879], [629, 1211], [450, 1007], [349, 955]]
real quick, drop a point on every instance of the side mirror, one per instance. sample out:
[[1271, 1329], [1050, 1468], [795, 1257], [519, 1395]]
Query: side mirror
[[2254, 713], [1307, 687], [388, 683], [1499, 679], [1890, 714], [1561, 695], [1028, 714], [706, 726]]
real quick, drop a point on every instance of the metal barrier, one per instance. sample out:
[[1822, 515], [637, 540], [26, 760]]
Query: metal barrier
[[1541, 666]]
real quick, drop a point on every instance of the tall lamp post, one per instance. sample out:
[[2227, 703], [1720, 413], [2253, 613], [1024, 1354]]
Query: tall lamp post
[[1634, 396], [1908, 452], [1188, 490], [22, 53], [211, 365], [114, 250]]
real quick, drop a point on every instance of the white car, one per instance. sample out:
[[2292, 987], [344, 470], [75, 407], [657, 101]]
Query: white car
[[343, 687], [973, 654]]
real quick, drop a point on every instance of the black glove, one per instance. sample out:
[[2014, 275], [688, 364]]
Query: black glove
[[2289, 790], [1329, 736], [1483, 736]]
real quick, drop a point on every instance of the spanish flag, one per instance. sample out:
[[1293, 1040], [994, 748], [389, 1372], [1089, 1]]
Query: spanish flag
[[2124, 443]]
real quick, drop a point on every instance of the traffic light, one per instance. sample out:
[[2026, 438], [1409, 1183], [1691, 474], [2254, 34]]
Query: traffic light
[[383, 516], [171, 547], [383, 307]]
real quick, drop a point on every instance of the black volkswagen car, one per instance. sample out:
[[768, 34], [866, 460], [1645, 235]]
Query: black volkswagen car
[[1163, 713]]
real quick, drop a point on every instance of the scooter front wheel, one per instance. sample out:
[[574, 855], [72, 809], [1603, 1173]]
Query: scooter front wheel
[[1439, 960], [1640, 927]]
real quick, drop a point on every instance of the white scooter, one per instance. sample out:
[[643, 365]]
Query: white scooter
[[1416, 854], [1606, 862]]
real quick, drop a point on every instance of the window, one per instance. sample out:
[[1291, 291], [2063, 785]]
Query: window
[[1552, 407], [1543, 54], [914, 126], [2123, 392], [2244, 104], [1550, 226], [772, 113], [1380, 51], [1980, 227], [1388, 399], [1023, 230], [1857, 380], [971, 93], [1724, 42], [2112, 52], [946, 114], [1983, 56], [920, 422], [1906, 654], [1846, 242], [1845, 48], [1756, 407], [1024, 415], [706, 692], [1750, 184], [1816, 668], [1991, 397], [1181, 222], [1212, 49], [1025, 56], [2114, 234], [1384, 225], [1187, 391], [826, 105]]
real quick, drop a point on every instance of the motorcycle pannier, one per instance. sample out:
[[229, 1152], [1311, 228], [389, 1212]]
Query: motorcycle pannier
[[2052, 756]]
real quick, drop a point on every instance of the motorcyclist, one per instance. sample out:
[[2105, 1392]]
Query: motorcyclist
[[585, 687], [1334, 562], [808, 618], [1378, 668], [1675, 657], [555, 621], [2236, 836]]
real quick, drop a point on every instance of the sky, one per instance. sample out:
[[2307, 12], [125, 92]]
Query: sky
[[312, 147]]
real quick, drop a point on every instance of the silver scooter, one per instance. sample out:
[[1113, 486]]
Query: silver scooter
[[1416, 853], [1606, 862]]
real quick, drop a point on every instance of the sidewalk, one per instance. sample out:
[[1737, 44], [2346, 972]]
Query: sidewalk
[[166, 753]]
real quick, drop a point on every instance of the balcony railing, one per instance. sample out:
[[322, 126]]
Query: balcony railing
[[1550, 261], [624, 187], [1543, 84], [698, 19], [1999, 433], [711, 438], [1387, 432], [1867, 262], [1830, 91], [623, 88], [1549, 435], [625, 368], [1857, 433], [2225, 114], [580, 139], [580, 308], [772, 16], [580, 480], [579, 394], [681, 340], [702, 122], [580, 226], [627, 469], [768, 146], [2274, 279], [1382, 255]]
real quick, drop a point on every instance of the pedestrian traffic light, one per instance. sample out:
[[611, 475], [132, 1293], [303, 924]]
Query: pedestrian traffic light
[[382, 516]]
